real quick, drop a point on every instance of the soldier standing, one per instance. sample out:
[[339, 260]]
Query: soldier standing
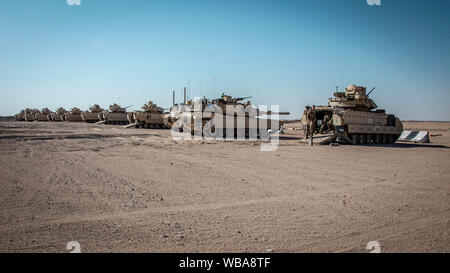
[[311, 118], [305, 112]]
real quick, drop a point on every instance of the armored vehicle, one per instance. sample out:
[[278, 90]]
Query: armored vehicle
[[20, 116], [224, 117], [94, 114], [30, 114], [74, 115], [59, 115], [151, 116], [44, 115], [355, 119], [116, 115]]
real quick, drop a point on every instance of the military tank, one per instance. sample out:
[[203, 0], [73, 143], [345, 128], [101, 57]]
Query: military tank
[[94, 114], [30, 114], [355, 119], [59, 115], [224, 117], [74, 115], [151, 117], [116, 115], [20, 116], [44, 115]]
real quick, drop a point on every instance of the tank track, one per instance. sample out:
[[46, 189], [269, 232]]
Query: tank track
[[367, 139]]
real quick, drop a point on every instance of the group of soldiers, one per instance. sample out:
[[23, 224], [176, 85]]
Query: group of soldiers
[[311, 118]]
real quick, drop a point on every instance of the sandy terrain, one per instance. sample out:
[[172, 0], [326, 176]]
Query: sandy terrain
[[138, 190]]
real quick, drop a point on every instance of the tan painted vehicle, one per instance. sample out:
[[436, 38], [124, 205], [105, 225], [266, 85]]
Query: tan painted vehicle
[[94, 114], [224, 117], [44, 115], [116, 115], [151, 117], [74, 115], [20, 116], [355, 119], [59, 115], [30, 114]]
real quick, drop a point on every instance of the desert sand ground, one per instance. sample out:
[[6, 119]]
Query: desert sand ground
[[138, 190]]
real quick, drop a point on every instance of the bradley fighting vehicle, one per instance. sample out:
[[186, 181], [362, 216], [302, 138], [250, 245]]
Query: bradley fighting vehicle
[[44, 115], [74, 115], [116, 115], [20, 116], [30, 114], [226, 115], [355, 119], [151, 116], [59, 115], [94, 114]]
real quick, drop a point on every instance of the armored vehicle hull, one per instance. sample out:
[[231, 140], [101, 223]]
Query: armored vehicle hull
[[58, 117], [74, 117], [238, 127], [29, 117], [91, 117], [43, 117], [367, 127], [116, 118]]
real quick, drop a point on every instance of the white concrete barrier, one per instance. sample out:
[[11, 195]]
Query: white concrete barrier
[[415, 136]]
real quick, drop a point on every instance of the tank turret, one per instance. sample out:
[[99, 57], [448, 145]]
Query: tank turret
[[225, 99], [75, 110], [115, 108], [354, 97], [61, 111], [151, 107], [46, 111], [96, 109]]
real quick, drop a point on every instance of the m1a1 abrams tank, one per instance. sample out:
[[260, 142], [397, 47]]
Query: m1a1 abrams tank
[[44, 115], [151, 117], [94, 114], [224, 117], [355, 119], [30, 114], [116, 115], [20, 116], [74, 115], [59, 115]]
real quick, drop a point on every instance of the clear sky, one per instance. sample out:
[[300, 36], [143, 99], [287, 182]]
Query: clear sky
[[291, 53]]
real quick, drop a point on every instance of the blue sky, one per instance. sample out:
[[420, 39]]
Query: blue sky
[[291, 53]]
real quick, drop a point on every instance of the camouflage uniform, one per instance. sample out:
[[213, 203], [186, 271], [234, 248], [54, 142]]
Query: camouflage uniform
[[311, 123], [305, 112], [326, 124]]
